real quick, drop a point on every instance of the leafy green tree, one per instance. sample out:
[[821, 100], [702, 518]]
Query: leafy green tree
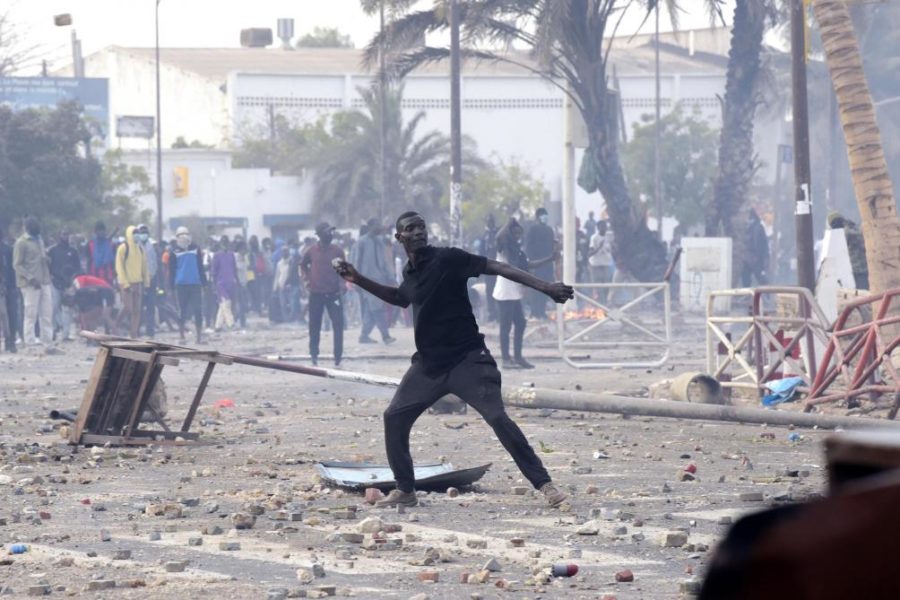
[[180, 143], [47, 170], [325, 37], [568, 44], [500, 189], [348, 163], [688, 145], [122, 185], [46, 165], [286, 148]]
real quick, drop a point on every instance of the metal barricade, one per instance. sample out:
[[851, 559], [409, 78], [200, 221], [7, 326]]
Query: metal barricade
[[857, 360], [767, 344], [603, 315]]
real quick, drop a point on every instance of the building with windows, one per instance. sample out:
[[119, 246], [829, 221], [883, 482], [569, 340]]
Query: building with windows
[[220, 96]]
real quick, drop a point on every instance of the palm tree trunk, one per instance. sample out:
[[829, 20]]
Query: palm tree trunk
[[868, 168], [728, 210], [636, 250]]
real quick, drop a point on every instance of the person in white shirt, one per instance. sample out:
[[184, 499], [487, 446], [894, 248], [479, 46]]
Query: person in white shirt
[[509, 294], [600, 258]]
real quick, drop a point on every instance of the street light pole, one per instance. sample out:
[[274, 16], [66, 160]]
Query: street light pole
[[806, 268], [159, 208], [455, 130], [382, 100]]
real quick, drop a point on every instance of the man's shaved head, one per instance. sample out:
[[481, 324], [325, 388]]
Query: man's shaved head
[[406, 215]]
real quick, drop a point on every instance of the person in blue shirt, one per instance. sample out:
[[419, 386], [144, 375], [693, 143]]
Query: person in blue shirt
[[188, 279]]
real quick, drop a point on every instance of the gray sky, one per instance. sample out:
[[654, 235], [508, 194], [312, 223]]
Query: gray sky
[[209, 23]]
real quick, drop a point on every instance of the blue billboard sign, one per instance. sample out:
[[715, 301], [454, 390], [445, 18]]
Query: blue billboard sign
[[92, 94]]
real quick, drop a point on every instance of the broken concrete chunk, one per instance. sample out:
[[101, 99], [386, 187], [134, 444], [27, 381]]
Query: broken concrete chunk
[[243, 520], [675, 539], [176, 566], [492, 565], [371, 525], [750, 496]]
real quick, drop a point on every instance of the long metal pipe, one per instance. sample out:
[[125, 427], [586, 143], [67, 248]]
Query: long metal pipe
[[579, 401], [644, 407]]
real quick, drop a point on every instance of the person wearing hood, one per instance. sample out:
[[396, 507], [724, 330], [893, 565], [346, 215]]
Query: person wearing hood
[[142, 237], [33, 278], [133, 277], [187, 279]]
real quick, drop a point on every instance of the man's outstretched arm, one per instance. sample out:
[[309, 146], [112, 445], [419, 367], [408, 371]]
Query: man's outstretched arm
[[388, 294], [559, 292]]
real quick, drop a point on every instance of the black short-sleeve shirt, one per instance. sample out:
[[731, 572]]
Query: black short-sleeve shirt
[[445, 327]]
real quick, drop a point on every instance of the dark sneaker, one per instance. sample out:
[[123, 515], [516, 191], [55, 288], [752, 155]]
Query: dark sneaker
[[389, 340], [398, 497], [553, 496], [367, 340], [524, 363]]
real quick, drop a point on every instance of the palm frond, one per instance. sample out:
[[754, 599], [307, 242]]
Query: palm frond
[[402, 34]]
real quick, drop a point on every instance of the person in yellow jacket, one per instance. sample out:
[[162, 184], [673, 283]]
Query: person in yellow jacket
[[132, 275]]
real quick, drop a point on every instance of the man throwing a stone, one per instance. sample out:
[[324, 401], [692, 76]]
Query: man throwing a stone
[[451, 356]]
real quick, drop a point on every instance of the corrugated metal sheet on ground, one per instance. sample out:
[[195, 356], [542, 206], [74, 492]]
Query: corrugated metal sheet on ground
[[431, 477]]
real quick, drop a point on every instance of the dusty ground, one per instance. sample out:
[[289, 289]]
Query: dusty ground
[[259, 455]]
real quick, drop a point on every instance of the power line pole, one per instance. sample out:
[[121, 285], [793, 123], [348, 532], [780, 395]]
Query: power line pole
[[159, 208], [806, 274], [455, 130]]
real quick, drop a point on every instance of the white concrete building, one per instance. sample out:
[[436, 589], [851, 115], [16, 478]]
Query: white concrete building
[[219, 96], [226, 200]]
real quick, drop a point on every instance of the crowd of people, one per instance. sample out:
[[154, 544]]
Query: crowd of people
[[128, 283]]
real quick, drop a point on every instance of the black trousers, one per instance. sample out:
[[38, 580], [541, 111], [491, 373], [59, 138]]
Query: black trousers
[[190, 305], [512, 317], [149, 309], [318, 303], [476, 381]]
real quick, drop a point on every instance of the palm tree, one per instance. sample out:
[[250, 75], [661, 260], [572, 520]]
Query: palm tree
[[727, 212], [348, 163], [871, 180], [569, 43]]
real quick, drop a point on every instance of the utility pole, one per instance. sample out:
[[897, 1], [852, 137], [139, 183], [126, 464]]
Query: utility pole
[[455, 130], [657, 186], [806, 274], [159, 208], [382, 129]]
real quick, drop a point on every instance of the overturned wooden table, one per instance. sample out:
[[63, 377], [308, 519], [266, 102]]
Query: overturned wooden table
[[125, 376]]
